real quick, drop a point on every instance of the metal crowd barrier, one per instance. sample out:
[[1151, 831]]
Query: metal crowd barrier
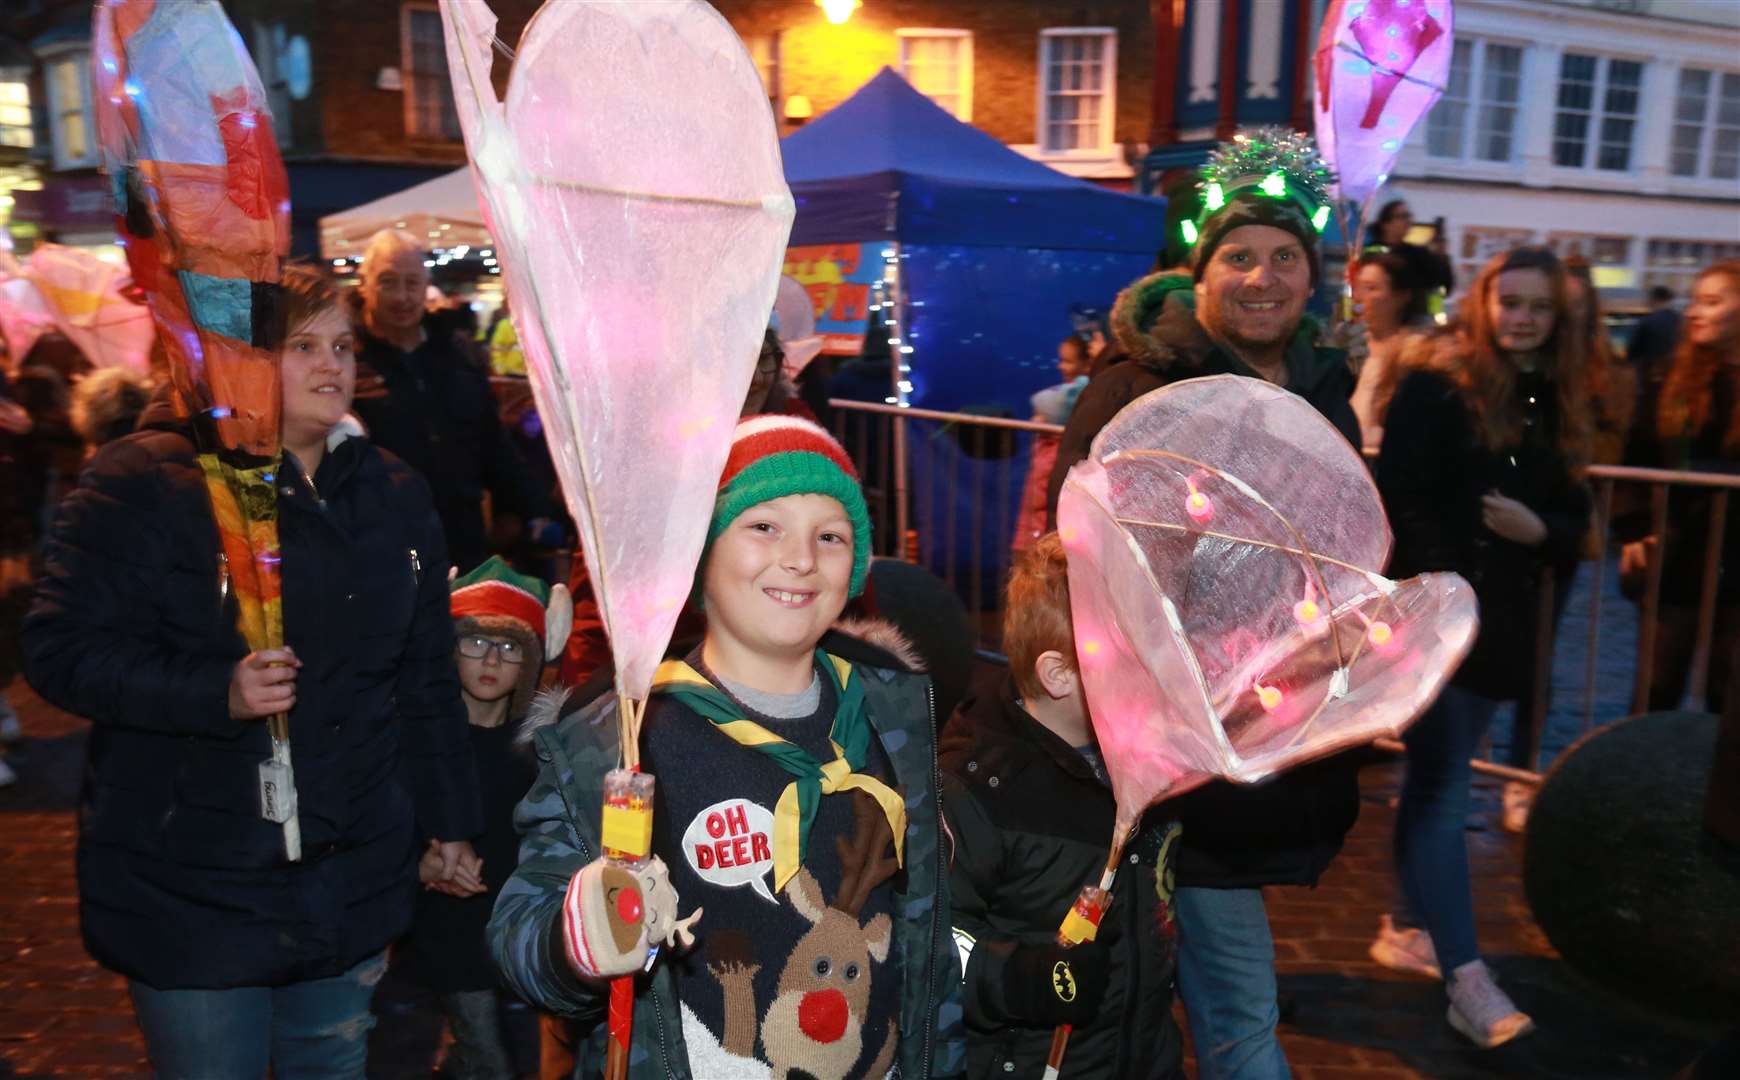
[[944, 492]]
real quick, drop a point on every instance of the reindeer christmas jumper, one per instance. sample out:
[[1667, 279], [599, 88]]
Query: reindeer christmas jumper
[[825, 949]]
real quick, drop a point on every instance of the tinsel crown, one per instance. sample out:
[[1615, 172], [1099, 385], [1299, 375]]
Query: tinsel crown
[[1255, 158]]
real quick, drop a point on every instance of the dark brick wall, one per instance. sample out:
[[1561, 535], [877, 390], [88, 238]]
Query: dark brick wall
[[353, 41]]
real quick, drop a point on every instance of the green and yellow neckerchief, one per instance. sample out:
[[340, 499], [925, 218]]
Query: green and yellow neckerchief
[[849, 736]]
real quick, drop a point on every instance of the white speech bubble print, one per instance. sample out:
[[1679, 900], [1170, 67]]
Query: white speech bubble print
[[730, 844]]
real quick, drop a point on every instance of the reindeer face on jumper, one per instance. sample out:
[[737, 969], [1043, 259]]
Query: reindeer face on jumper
[[814, 1027], [816, 1020]]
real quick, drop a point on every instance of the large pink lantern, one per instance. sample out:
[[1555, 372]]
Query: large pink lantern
[[1380, 66], [632, 181], [1225, 550]]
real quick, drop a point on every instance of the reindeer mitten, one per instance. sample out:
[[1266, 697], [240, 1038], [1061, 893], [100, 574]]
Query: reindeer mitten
[[1047, 984], [613, 915]]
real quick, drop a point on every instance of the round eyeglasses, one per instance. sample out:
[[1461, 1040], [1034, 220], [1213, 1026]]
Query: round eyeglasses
[[478, 647]]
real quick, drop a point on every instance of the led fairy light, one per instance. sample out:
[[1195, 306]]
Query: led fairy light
[[1196, 504], [887, 290]]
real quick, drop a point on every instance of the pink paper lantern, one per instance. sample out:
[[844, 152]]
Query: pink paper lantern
[[632, 181], [1380, 66], [1192, 633]]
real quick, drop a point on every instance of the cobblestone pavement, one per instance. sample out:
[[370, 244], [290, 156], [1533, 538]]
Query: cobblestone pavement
[[61, 1015]]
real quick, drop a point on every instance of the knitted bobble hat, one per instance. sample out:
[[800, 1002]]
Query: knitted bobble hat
[[496, 599], [775, 456]]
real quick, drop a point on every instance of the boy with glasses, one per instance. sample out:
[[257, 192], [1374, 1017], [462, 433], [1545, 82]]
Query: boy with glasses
[[506, 624]]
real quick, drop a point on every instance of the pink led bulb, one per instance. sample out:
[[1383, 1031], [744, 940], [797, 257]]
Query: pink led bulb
[[1379, 633], [1306, 611], [1196, 504], [1268, 697]]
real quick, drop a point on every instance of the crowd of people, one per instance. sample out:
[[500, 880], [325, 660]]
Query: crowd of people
[[449, 812]]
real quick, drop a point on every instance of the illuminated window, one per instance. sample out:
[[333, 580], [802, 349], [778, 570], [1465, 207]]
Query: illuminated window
[[66, 77], [939, 64], [429, 111], [1078, 74], [764, 49], [15, 129]]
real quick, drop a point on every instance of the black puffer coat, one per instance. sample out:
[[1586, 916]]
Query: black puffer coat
[[1432, 472], [181, 882], [1031, 826]]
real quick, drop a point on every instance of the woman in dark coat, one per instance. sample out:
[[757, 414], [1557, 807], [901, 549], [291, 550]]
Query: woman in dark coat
[[1481, 473], [1695, 425], [238, 960]]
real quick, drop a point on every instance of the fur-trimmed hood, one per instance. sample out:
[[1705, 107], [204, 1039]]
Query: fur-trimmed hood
[[873, 642]]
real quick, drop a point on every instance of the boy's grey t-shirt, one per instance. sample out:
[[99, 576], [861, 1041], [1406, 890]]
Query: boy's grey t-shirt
[[779, 706]]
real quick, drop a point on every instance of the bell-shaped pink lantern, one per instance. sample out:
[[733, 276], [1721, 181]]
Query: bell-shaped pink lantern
[[1225, 549]]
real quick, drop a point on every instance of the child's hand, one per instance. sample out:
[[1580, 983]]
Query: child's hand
[[451, 867], [604, 921]]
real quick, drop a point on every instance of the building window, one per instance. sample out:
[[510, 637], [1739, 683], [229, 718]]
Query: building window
[[764, 49], [69, 109], [1479, 243], [15, 129], [1597, 249], [939, 65], [1677, 263], [270, 45], [1707, 125], [1485, 82], [1597, 112], [429, 111], [1078, 77]]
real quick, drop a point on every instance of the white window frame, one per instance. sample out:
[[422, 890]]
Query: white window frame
[[1106, 144], [1469, 134], [965, 90], [410, 74], [1598, 115], [1704, 162], [80, 55]]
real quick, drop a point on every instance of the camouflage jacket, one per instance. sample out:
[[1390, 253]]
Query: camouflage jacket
[[558, 823]]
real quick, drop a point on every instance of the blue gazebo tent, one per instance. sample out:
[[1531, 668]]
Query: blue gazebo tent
[[992, 253]]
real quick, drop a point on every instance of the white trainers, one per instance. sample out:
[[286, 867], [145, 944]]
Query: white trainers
[[7, 776], [1518, 799], [1407, 949], [1480, 1010]]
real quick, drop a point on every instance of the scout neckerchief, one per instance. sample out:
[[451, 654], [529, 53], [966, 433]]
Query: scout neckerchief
[[849, 736]]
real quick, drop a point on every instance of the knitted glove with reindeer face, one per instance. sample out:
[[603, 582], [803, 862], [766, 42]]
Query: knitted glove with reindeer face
[[613, 915]]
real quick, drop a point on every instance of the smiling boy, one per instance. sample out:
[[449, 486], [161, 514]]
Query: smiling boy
[[797, 805]]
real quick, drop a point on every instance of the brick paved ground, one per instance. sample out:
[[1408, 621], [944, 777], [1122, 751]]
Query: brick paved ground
[[60, 1015]]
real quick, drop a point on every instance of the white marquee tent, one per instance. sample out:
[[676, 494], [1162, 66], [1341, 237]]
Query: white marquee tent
[[442, 211]]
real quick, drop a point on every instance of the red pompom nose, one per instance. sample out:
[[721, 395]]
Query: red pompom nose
[[628, 905], [822, 1015]]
